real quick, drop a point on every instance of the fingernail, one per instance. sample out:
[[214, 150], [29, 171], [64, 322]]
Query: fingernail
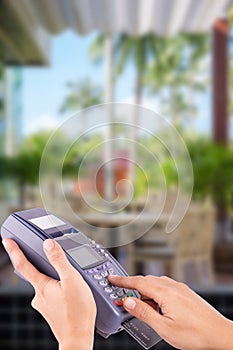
[[6, 244], [48, 244], [130, 303]]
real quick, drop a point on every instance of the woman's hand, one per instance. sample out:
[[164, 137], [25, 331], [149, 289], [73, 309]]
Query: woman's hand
[[187, 321], [67, 305]]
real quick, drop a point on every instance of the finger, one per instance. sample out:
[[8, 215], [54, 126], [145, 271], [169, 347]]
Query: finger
[[144, 312], [143, 285], [57, 258], [22, 265], [152, 303]]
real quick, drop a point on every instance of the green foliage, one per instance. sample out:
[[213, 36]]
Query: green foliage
[[141, 184], [77, 153], [212, 165], [137, 49], [96, 49], [213, 171], [24, 166], [164, 61], [81, 95], [158, 170], [162, 64], [170, 172], [176, 59], [177, 73]]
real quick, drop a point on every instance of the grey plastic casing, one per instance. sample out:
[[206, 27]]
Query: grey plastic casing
[[30, 239]]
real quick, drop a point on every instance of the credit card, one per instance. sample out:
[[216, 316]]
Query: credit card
[[141, 332]]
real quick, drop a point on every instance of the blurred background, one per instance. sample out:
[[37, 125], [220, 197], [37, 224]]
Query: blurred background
[[61, 56]]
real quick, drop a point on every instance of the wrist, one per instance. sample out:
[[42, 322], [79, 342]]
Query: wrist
[[220, 335], [81, 341], [77, 344], [70, 344]]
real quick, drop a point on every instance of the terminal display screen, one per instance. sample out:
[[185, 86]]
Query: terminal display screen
[[84, 256], [47, 221]]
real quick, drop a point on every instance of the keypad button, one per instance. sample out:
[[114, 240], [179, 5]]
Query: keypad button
[[120, 293], [108, 290], [118, 303], [110, 271], [92, 242], [114, 287], [102, 250], [104, 273], [113, 296], [104, 267], [97, 246], [97, 277], [126, 290], [130, 294], [90, 272], [106, 255], [108, 264], [103, 283]]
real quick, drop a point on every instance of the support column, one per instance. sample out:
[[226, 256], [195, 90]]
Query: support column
[[220, 81], [109, 180]]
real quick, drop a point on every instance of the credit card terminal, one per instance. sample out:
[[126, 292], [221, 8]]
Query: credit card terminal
[[29, 228]]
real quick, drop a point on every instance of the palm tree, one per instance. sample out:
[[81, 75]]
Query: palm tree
[[164, 60], [162, 63], [139, 50], [188, 73], [81, 95]]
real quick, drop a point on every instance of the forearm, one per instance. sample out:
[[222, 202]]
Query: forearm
[[226, 336]]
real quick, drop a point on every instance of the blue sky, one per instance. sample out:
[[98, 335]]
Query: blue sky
[[44, 88]]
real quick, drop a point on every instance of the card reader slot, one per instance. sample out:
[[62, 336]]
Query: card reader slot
[[68, 231], [56, 234]]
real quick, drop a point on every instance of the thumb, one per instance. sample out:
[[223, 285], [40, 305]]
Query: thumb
[[143, 312], [57, 258]]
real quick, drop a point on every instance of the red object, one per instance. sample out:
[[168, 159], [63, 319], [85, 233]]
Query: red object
[[120, 165], [118, 302]]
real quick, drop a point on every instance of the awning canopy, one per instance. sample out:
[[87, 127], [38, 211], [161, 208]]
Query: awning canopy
[[135, 17], [26, 25]]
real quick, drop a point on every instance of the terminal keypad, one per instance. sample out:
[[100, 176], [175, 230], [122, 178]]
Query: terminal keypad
[[100, 275]]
